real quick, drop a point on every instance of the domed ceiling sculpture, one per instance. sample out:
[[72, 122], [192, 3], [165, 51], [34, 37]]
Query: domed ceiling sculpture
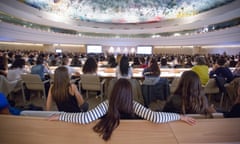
[[125, 11]]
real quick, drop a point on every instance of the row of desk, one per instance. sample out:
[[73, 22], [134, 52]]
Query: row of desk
[[137, 72]]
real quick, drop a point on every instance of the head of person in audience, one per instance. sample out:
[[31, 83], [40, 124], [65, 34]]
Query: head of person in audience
[[153, 67], [191, 93], [75, 61], [124, 65], [112, 61], [40, 60], [164, 61], [136, 61], [18, 63], [200, 60], [120, 102], [65, 61], [90, 66], [60, 84], [221, 61]]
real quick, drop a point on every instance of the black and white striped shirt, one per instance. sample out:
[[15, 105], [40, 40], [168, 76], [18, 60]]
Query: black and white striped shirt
[[102, 108]]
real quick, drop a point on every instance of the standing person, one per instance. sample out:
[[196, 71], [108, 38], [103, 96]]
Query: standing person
[[65, 94], [123, 70], [189, 97], [201, 69], [120, 105]]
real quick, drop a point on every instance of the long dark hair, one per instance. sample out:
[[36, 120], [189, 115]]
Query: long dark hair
[[90, 66], [154, 68], [191, 92], [124, 65], [61, 84], [120, 102]]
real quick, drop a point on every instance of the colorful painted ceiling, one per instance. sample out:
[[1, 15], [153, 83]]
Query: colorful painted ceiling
[[125, 11]]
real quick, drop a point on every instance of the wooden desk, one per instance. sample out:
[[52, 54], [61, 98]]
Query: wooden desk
[[30, 130], [137, 72], [208, 131]]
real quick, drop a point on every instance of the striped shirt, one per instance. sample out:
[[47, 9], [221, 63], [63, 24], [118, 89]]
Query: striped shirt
[[102, 108]]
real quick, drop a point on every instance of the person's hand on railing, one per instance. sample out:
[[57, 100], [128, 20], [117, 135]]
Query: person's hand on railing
[[188, 120]]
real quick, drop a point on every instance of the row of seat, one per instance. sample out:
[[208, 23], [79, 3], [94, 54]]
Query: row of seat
[[95, 83]]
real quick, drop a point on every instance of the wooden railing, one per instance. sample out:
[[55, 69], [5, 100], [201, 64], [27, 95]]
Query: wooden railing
[[34, 130]]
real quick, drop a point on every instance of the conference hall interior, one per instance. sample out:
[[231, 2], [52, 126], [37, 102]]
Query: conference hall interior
[[179, 56]]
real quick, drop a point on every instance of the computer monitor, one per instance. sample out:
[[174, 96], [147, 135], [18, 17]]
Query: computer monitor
[[144, 50]]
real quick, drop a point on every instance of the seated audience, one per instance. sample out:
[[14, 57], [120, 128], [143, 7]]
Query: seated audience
[[235, 110], [152, 70], [17, 68], [76, 62], [136, 62], [164, 63], [142, 62], [220, 70], [90, 66], [123, 70], [65, 94], [236, 71], [3, 65], [111, 62], [201, 69], [120, 106], [188, 64], [71, 71], [40, 68], [189, 97], [6, 108]]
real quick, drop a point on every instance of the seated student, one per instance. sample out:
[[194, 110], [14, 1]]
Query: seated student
[[201, 68], [120, 105], [90, 66], [5, 107], [164, 63], [112, 62], [154, 87], [235, 110], [152, 70], [189, 97], [136, 62], [76, 62], [17, 68], [40, 68], [123, 70], [66, 63], [236, 71], [65, 94], [220, 70]]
